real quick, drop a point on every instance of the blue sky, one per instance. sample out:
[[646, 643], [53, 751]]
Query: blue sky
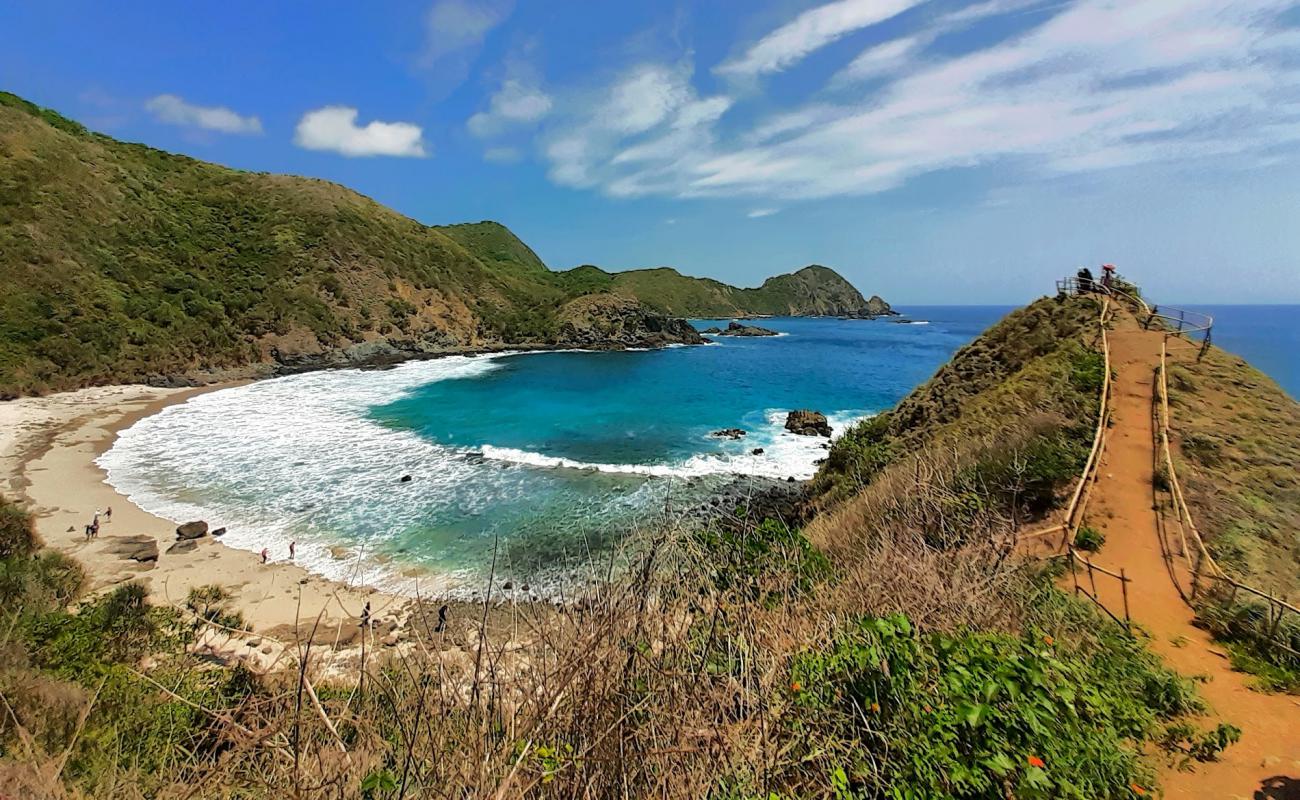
[[945, 151]]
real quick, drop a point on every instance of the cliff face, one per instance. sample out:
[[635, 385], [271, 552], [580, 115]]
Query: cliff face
[[608, 321]]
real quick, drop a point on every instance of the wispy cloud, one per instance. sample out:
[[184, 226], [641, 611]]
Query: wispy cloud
[[1092, 85], [649, 116], [810, 31], [453, 27], [173, 110], [758, 213], [335, 129], [518, 101]]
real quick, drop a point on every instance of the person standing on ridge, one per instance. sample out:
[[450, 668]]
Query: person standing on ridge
[[1107, 276]]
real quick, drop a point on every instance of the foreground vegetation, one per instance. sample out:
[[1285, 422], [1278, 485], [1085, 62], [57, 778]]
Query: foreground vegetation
[[122, 263]]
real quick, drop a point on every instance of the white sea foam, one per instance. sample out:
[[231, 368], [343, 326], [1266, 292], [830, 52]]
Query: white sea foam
[[784, 455]]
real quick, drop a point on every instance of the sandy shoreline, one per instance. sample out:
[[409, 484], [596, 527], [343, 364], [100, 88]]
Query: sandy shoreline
[[48, 447]]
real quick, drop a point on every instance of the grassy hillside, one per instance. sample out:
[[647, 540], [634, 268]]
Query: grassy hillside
[[813, 290], [1028, 385], [122, 263]]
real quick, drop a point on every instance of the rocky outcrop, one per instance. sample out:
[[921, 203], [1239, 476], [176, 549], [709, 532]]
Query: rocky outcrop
[[192, 530], [141, 549], [712, 330], [614, 322], [728, 433], [807, 423], [183, 546], [737, 329], [877, 307]]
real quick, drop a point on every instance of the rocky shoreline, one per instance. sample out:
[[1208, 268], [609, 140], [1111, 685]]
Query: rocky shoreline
[[590, 324]]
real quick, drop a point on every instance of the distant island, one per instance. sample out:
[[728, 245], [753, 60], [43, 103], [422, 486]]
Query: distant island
[[120, 263]]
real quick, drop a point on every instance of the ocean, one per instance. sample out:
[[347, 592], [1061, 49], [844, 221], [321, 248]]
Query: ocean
[[547, 459], [1267, 336]]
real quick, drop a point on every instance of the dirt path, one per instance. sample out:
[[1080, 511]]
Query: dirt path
[[1266, 762]]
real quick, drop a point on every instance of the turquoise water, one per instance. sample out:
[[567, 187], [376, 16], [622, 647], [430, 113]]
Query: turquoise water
[[548, 457]]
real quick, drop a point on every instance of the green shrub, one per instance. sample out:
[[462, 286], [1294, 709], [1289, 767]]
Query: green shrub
[[887, 711], [1089, 538], [17, 539], [763, 562]]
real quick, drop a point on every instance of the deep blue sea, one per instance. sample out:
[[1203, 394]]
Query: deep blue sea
[[1266, 336], [548, 457]]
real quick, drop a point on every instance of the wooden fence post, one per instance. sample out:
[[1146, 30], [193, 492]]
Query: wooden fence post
[[1123, 585]]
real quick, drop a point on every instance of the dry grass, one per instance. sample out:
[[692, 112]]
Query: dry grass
[[1237, 436]]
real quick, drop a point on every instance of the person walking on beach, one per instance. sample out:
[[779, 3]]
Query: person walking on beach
[[265, 554], [292, 546], [108, 514], [94, 528], [88, 533]]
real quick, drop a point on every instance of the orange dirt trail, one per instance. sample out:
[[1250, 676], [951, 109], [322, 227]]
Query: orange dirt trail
[[1266, 762]]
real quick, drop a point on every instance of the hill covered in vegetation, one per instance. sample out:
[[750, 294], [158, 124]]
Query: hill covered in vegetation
[[812, 291], [122, 263]]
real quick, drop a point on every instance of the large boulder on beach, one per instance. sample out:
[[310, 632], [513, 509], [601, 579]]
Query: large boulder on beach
[[807, 423], [139, 548], [192, 530], [183, 546]]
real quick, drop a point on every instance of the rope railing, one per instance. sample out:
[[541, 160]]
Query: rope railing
[[1073, 515], [1204, 564]]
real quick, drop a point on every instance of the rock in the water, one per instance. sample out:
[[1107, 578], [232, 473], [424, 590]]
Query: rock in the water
[[736, 329], [183, 546], [219, 531], [143, 549], [728, 433], [757, 451], [613, 322], [406, 479], [714, 329], [807, 423], [192, 530]]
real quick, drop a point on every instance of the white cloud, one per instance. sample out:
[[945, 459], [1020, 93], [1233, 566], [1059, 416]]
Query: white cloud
[[174, 110], [334, 128], [645, 97], [637, 133], [517, 102], [1093, 85], [810, 31], [758, 213], [881, 59], [457, 26]]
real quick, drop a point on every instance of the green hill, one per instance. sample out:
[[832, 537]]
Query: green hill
[[122, 263], [812, 291]]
